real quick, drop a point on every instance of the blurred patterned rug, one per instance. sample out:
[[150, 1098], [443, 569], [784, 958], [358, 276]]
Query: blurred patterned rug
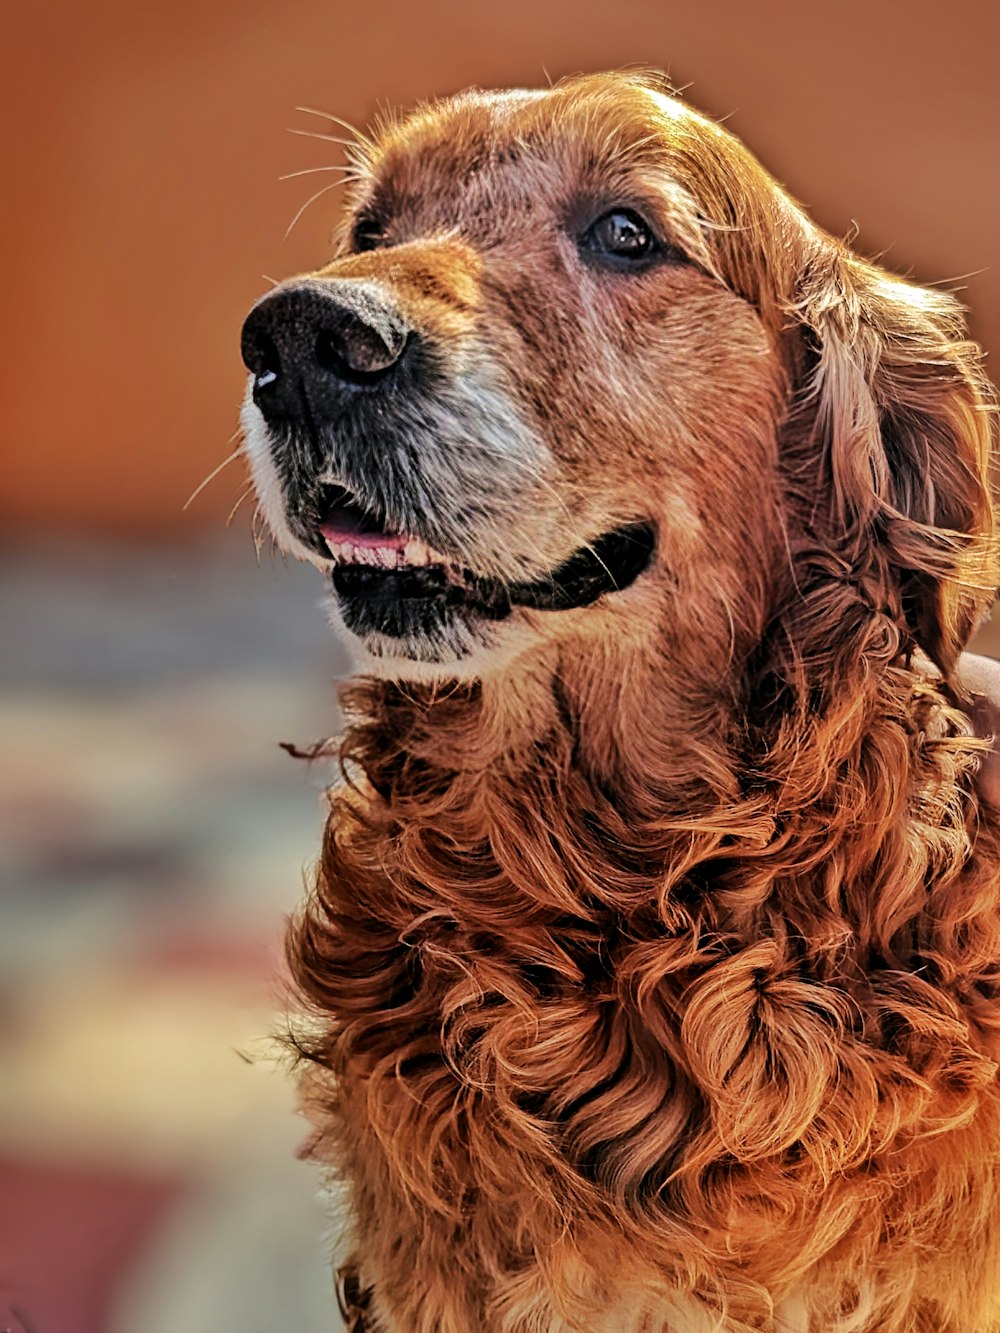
[[154, 838]]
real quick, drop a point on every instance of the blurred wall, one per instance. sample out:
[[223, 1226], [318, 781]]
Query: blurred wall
[[147, 142]]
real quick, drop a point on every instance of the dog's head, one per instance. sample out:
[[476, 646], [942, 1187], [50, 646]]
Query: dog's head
[[579, 368]]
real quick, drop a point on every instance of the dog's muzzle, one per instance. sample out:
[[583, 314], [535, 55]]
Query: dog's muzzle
[[340, 377]]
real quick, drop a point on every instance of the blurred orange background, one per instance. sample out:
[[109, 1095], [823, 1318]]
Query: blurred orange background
[[155, 835], [147, 142]]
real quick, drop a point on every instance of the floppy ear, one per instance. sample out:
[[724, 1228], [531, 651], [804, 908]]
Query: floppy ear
[[901, 417]]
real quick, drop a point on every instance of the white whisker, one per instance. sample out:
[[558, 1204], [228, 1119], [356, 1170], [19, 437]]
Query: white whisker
[[332, 186], [215, 471], [247, 490], [310, 171], [359, 137], [327, 138]]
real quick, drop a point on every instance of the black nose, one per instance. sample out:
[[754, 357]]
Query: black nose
[[311, 342]]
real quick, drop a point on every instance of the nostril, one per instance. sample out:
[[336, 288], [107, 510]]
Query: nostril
[[270, 360], [356, 352], [260, 356], [268, 363], [328, 354]]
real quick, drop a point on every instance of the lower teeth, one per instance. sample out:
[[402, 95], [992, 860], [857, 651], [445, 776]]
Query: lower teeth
[[415, 552]]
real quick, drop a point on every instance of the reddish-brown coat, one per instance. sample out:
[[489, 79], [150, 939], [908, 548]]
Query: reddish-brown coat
[[656, 974]]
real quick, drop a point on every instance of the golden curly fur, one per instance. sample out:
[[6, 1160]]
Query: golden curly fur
[[654, 953]]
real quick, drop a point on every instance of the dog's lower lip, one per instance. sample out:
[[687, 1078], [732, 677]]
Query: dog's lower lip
[[415, 573]]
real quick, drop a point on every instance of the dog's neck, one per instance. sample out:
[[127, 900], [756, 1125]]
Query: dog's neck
[[618, 745], [610, 718]]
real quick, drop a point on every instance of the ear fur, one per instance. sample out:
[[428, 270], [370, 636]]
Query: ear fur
[[901, 419]]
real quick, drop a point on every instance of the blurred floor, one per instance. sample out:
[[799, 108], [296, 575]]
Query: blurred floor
[[154, 838]]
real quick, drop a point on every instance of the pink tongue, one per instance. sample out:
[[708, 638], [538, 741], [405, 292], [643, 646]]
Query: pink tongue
[[343, 529]]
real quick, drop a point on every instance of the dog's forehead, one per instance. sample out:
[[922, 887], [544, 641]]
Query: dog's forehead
[[525, 141], [449, 142]]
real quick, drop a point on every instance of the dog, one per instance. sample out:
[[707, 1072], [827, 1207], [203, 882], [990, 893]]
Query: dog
[[652, 960]]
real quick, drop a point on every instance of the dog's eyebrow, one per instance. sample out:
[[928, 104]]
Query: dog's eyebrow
[[590, 156], [373, 209]]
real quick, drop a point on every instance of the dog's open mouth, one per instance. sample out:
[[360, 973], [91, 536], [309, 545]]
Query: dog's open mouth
[[354, 536], [395, 582]]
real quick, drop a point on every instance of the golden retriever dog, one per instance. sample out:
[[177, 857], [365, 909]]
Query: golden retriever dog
[[653, 960]]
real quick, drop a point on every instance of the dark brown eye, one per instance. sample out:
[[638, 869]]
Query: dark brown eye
[[619, 235], [368, 232]]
